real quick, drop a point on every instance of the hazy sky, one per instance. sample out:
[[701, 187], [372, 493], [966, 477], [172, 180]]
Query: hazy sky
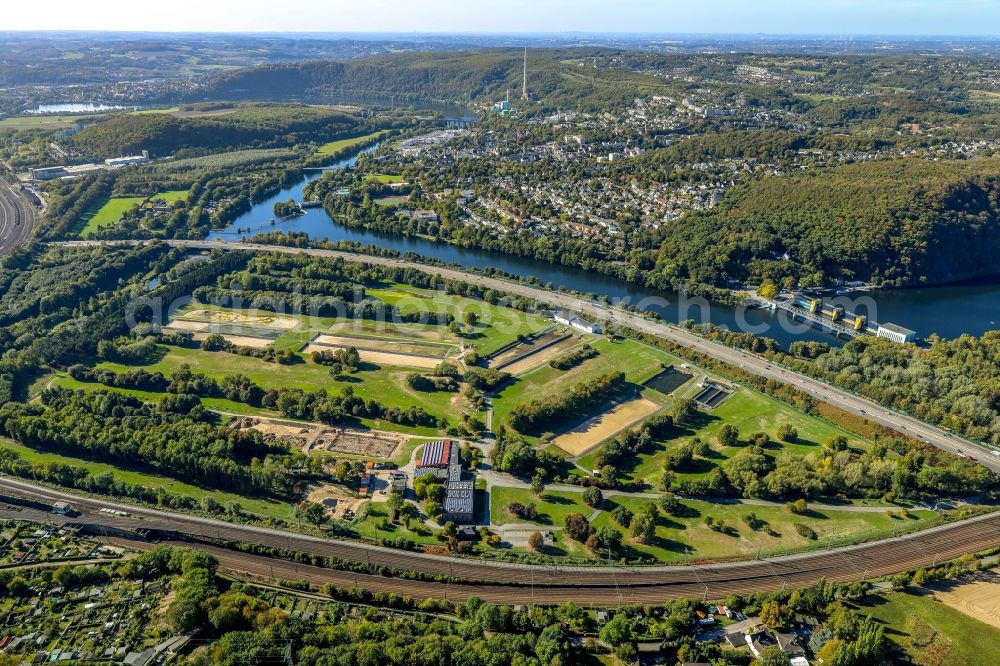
[[924, 17]]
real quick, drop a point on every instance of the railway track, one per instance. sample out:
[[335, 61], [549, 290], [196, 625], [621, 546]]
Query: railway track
[[514, 583], [17, 218]]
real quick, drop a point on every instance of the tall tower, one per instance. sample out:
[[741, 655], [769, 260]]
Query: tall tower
[[524, 85]]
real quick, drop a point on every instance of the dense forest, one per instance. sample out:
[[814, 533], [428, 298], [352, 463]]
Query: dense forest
[[555, 77], [896, 222], [263, 126], [128, 432], [954, 383]]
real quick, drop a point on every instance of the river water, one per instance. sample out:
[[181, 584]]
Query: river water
[[947, 311]]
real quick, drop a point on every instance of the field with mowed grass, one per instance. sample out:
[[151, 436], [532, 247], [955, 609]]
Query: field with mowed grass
[[688, 536], [929, 632], [263, 507], [111, 211], [386, 384], [340, 145], [496, 327], [750, 412], [639, 362]]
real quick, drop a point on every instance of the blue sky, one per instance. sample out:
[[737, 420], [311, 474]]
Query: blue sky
[[859, 17]]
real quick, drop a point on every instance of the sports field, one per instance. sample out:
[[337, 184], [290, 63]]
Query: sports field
[[113, 209], [592, 432], [639, 362]]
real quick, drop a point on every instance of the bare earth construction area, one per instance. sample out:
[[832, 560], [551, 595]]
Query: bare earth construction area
[[590, 433], [306, 436], [238, 328]]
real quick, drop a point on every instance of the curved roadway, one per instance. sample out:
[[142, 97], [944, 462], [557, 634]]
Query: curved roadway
[[518, 583]]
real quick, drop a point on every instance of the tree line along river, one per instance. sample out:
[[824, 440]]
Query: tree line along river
[[948, 311]]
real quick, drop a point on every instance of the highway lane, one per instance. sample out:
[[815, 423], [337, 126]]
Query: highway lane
[[17, 217], [849, 402], [511, 582]]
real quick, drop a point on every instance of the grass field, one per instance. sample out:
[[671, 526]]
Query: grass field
[[688, 537], [112, 210], [930, 632], [386, 384], [497, 327], [262, 507], [385, 178], [389, 202], [639, 362], [335, 147], [44, 122], [371, 527], [749, 412]]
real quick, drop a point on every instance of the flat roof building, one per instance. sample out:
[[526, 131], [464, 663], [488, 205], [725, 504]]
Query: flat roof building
[[896, 333], [458, 501]]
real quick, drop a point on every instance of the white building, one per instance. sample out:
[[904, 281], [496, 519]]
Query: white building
[[896, 333], [115, 162], [578, 323]]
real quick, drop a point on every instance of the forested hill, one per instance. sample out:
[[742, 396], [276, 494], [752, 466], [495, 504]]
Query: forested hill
[[558, 78], [900, 222], [252, 125]]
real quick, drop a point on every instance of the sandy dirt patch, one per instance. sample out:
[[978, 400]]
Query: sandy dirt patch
[[238, 340], [338, 502], [369, 327], [241, 318], [979, 598], [381, 358], [181, 325], [589, 434], [307, 436], [528, 363], [523, 349], [406, 347]]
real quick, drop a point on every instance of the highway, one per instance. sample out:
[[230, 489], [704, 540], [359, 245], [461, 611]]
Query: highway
[[17, 217], [507, 582], [849, 402]]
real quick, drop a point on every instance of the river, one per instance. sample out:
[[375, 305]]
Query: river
[[947, 311]]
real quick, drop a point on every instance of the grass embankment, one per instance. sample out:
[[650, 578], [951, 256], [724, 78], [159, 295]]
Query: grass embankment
[[749, 412], [266, 508], [929, 632], [688, 537]]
